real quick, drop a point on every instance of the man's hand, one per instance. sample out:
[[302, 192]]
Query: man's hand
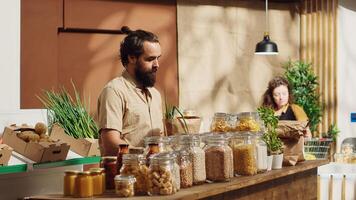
[[110, 139]]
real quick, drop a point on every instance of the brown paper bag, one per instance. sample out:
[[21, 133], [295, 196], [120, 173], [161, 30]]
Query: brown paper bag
[[176, 125], [291, 133]]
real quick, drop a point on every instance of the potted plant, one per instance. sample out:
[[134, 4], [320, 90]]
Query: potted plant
[[172, 125], [270, 137]]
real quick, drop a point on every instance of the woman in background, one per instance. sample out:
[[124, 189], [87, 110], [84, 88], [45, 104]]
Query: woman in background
[[279, 97]]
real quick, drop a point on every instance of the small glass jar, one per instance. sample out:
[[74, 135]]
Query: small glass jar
[[218, 159], [191, 144], [248, 121], [69, 182], [123, 149], [244, 151], [96, 174], [84, 185], [160, 176], [103, 176], [134, 164], [186, 169], [220, 123], [109, 164], [261, 153], [347, 148], [124, 185]]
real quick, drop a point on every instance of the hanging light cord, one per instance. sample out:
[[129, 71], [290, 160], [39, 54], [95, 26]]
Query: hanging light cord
[[267, 28]]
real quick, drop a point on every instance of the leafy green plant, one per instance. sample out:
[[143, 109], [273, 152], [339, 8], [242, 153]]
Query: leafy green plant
[[304, 88], [69, 113], [273, 142], [170, 113], [333, 132]]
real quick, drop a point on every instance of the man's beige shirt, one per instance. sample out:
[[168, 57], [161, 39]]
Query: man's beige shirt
[[126, 108]]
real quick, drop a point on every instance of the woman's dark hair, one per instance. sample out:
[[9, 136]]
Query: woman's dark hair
[[132, 45], [268, 95]]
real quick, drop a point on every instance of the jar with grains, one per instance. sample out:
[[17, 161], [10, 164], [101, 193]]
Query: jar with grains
[[154, 145], [109, 164], [96, 174], [248, 121], [134, 164], [220, 123], [103, 176], [191, 144], [160, 176], [123, 149], [186, 169], [218, 159], [83, 185], [69, 182], [124, 185], [244, 151], [261, 152]]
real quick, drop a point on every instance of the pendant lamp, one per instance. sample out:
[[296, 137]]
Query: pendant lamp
[[266, 46]]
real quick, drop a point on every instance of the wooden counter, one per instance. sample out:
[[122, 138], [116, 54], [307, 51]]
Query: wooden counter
[[295, 182]]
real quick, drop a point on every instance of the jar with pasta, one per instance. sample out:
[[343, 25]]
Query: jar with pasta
[[248, 121], [124, 185], [160, 176], [244, 151], [220, 123], [191, 144], [218, 159], [134, 165]]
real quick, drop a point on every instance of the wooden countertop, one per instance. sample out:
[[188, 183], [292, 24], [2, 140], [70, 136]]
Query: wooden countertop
[[206, 190]]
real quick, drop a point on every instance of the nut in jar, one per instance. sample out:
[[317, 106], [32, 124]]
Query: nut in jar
[[124, 185]]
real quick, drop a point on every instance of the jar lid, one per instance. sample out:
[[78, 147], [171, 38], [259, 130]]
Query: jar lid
[[97, 169], [84, 173], [163, 158], [109, 158], [125, 178], [155, 140], [71, 172]]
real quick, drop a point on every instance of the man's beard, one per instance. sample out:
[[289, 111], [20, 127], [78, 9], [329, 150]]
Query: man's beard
[[145, 78]]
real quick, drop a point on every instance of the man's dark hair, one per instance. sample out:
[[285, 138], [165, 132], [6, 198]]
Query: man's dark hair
[[132, 45]]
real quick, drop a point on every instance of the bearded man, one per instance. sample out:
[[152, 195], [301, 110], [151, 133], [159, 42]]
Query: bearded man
[[129, 107]]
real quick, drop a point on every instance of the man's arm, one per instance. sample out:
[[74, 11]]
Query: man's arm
[[110, 139]]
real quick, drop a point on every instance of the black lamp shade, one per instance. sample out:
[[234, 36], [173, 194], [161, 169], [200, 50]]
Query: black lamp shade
[[266, 47]]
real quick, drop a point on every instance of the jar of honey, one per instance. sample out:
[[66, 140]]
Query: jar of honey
[[69, 182], [96, 174], [84, 185], [103, 176]]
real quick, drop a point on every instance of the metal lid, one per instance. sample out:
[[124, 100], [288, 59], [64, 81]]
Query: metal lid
[[125, 178], [71, 172]]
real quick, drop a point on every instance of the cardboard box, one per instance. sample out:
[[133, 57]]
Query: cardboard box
[[5, 154], [83, 146], [37, 152]]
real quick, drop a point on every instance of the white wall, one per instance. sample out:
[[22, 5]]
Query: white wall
[[346, 68], [10, 68]]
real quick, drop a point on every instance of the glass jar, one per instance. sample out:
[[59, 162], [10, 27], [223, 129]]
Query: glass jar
[[69, 182], [123, 149], [248, 121], [84, 185], [160, 176], [339, 157], [191, 144], [244, 151], [103, 176], [109, 164], [124, 185], [186, 169], [347, 148], [134, 164], [154, 145], [218, 159], [97, 181], [220, 123], [261, 152]]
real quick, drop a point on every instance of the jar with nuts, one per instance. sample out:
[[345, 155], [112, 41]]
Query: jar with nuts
[[220, 123], [160, 176], [124, 185], [186, 169], [218, 159], [133, 164], [191, 144]]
